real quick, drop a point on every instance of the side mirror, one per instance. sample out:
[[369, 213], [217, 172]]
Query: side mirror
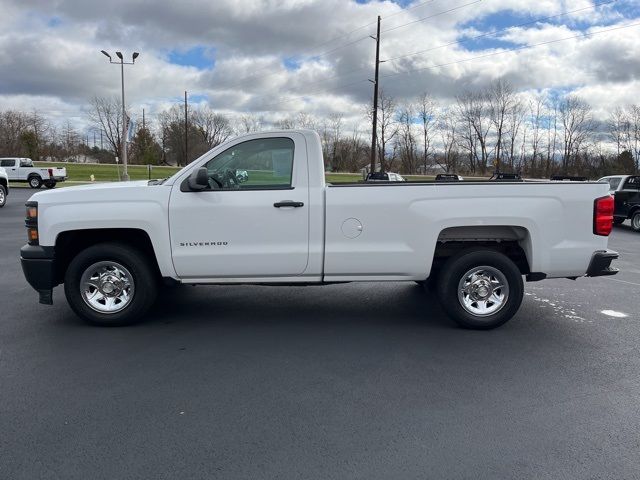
[[199, 179]]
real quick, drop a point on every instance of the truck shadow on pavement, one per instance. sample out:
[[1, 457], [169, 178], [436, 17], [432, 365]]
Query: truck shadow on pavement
[[371, 303]]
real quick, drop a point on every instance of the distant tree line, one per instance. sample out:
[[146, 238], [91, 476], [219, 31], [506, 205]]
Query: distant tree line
[[485, 130]]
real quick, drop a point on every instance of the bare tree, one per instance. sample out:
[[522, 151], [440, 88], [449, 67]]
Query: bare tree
[[426, 112], [13, 125], [473, 110], [536, 108], [106, 115], [215, 128], [448, 134], [250, 123], [502, 100], [515, 117], [619, 128], [387, 128], [633, 114], [577, 124], [406, 140]]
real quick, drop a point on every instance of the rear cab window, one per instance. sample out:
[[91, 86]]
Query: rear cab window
[[632, 183]]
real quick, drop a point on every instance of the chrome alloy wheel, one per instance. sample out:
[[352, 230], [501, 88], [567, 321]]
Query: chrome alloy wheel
[[2, 197], [483, 291], [635, 221], [107, 287]]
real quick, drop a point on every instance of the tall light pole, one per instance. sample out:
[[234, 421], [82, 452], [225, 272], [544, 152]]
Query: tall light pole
[[123, 147]]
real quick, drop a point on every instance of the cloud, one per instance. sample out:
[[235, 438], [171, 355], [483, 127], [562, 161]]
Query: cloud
[[281, 57]]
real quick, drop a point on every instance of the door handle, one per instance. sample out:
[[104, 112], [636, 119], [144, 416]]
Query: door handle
[[288, 203]]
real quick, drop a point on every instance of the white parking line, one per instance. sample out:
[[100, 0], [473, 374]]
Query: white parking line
[[624, 281]]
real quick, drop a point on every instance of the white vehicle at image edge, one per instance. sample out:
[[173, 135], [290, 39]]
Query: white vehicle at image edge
[[257, 210], [23, 170], [4, 187]]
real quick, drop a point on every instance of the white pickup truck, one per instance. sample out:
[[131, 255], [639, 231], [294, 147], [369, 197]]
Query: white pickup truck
[[257, 210], [4, 186], [23, 170]]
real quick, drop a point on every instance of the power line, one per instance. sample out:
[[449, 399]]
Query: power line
[[431, 16], [286, 100], [490, 34], [524, 47], [514, 49], [403, 10], [308, 52], [323, 54]]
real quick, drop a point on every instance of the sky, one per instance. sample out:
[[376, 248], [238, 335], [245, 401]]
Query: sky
[[276, 58]]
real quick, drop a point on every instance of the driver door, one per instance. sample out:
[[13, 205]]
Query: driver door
[[252, 221]]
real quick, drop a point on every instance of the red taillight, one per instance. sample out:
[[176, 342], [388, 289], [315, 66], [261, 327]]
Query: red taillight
[[603, 215], [51, 173]]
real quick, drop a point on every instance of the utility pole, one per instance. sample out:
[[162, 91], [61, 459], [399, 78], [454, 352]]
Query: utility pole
[[123, 153], [143, 126], [186, 131], [374, 130]]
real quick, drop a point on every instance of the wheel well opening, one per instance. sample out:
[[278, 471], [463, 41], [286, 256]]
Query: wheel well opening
[[513, 242], [70, 243]]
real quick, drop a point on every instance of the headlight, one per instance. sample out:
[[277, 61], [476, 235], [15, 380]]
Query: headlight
[[31, 222]]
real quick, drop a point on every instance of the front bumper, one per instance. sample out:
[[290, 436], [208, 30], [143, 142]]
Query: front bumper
[[600, 264], [38, 265]]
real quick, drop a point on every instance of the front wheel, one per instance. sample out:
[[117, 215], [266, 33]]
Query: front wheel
[[480, 289], [35, 182], [635, 221], [110, 284]]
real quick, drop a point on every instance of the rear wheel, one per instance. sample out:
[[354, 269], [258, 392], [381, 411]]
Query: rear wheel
[[3, 195], [110, 284], [50, 184], [480, 289], [35, 181], [635, 221]]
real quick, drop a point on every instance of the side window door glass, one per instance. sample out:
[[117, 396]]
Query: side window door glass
[[265, 163]]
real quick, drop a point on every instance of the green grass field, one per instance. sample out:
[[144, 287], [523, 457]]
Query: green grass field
[[79, 172]]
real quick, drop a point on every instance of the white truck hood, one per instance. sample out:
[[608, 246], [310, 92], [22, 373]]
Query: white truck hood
[[118, 191]]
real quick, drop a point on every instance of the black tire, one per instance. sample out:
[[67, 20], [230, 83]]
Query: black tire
[[50, 184], [35, 181], [3, 195], [618, 220], [143, 279], [635, 220], [456, 268]]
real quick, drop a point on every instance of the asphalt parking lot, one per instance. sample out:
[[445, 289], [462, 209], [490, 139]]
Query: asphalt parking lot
[[366, 381]]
